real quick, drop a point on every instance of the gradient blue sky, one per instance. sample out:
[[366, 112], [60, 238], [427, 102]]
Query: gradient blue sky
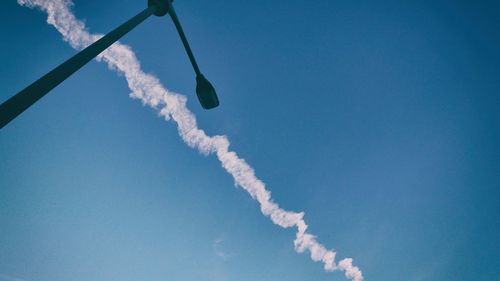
[[379, 119]]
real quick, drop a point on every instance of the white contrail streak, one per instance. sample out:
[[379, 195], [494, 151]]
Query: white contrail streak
[[150, 91]]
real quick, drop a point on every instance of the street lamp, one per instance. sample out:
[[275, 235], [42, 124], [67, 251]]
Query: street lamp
[[204, 90], [18, 103]]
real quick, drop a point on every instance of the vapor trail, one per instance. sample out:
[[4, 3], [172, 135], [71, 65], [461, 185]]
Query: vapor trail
[[150, 91]]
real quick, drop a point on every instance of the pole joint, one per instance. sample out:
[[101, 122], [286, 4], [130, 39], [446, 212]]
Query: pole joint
[[161, 5]]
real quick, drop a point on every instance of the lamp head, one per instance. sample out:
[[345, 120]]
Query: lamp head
[[206, 93]]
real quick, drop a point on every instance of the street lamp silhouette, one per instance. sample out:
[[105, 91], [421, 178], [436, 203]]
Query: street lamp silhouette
[[17, 104]]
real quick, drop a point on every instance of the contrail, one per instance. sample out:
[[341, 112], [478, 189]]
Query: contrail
[[172, 106]]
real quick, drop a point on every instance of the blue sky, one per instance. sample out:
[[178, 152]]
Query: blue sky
[[378, 120]]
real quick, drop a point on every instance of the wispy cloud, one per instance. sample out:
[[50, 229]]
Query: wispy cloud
[[172, 106], [220, 249]]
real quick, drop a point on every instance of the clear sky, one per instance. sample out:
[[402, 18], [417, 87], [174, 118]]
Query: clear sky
[[378, 119]]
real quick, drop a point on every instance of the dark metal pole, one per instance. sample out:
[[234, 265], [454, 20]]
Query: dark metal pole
[[25, 98], [178, 26]]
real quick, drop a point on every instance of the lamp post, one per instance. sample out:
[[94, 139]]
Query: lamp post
[[204, 90], [18, 103]]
